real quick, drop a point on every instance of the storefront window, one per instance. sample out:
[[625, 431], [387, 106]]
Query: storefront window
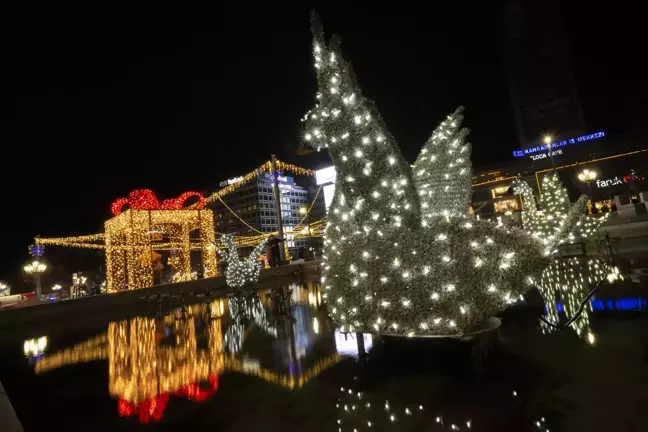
[[506, 205], [500, 191]]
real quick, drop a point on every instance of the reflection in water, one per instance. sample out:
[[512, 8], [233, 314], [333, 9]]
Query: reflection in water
[[183, 353], [564, 284], [360, 411], [243, 310], [347, 343], [34, 348], [622, 304]]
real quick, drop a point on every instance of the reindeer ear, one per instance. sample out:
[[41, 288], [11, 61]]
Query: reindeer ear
[[443, 171]]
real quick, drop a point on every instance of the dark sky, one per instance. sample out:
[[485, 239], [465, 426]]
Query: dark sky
[[90, 112]]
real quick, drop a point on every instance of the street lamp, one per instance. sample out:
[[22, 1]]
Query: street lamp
[[587, 176], [36, 268], [304, 211], [56, 287], [548, 139]]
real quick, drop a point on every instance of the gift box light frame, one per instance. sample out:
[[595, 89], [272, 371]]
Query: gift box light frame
[[133, 237]]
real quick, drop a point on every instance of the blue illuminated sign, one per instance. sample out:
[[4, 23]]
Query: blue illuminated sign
[[547, 147], [621, 304], [626, 303]]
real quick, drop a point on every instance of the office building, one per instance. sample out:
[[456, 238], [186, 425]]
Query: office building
[[540, 78], [255, 205]]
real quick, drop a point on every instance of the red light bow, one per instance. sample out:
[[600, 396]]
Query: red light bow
[[145, 199], [153, 408]]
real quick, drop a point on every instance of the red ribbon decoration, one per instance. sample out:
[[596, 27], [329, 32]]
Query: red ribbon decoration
[[153, 408], [145, 199]]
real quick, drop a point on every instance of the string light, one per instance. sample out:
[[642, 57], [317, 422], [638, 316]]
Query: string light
[[145, 199], [240, 273], [570, 280], [140, 369], [130, 239], [387, 418], [557, 221], [77, 241], [414, 215], [266, 167]]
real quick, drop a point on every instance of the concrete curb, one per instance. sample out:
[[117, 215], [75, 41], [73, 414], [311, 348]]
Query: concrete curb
[[123, 301], [8, 418]]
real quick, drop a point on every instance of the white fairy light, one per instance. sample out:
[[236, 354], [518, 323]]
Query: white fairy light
[[414, 217]]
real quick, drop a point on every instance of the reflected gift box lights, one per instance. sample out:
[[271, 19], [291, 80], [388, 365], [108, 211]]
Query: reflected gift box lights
[[183, 354]]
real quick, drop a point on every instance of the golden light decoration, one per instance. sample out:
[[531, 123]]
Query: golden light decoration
[[141, 368], [84, 241], [266, 167], [569, 281], [131, 239]]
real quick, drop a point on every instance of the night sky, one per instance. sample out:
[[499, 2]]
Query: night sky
[[90, 112]]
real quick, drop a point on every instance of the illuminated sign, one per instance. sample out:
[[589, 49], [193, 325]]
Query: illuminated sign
[[546, 155], [280, 178], [325, 175], [548, 147], [617, 181], [230, 181]]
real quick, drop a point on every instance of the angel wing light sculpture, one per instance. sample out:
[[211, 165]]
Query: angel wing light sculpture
[[240, 273], [401, 256], [556, 221]]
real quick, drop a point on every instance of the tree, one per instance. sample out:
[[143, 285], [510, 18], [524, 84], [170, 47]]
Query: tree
[[557, 221]]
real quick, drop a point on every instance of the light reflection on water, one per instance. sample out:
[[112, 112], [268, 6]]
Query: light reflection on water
[[564, 285], [183, 353]]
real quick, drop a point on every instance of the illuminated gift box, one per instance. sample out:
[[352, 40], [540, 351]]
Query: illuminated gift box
[[135, 236]]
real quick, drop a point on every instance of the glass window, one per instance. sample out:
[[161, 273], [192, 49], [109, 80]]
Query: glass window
[[506, 205], [500, 191]]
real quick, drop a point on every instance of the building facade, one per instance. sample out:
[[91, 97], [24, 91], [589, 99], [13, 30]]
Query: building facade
[[255, 205], [620, 167], [538, 68]]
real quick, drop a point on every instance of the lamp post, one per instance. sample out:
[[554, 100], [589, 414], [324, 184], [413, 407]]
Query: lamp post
[[36, 268], [547, 140], [304, 211], [56, 288], [587, 176]]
